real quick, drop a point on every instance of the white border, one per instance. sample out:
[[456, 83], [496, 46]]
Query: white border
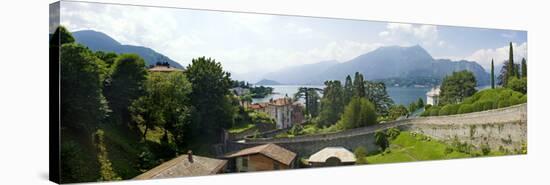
[[24, 92]]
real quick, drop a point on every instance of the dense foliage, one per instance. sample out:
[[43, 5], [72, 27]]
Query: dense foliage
[[213, 109], [119, 120], [458, 86], [332, 103], [359, 112], [483, 100]]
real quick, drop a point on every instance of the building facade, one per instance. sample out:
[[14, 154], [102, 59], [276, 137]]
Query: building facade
[[261, 158], [432, 96]]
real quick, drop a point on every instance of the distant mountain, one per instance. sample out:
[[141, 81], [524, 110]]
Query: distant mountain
[[382, 63], [302, 74], [267, 82], [98, 41]]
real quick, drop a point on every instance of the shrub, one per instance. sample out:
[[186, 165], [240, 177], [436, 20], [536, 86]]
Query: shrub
[[519, 85], [487, 104], [449, 109], [393, 133], [381, 139], [427, 106], [465, 108], [485, 149], [434, 111], [360, 155], [503, 103], [477, 106]]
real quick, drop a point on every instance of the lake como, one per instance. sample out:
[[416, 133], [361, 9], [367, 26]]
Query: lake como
[[400, 95]]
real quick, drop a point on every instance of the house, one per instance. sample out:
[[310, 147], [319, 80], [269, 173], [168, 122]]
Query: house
[[282, 110], [432, 96], [332, 156], [185, 165], [261, 158], [163, 68]]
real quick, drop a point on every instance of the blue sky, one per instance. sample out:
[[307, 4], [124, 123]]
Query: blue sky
[[250, 45]]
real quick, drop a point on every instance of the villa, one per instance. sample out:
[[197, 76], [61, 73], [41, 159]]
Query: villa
[[283, 110], [432, 96]]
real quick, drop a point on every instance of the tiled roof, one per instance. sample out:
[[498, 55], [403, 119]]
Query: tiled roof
[[181, 167], [341, 153], [272, 151], [256, 106], [281, 102]]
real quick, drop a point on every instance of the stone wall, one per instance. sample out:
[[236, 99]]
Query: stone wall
[[499, 128]]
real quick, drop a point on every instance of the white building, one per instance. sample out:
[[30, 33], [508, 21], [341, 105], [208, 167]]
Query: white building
[[432, 96]]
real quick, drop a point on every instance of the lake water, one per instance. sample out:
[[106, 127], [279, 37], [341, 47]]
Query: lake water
[[400, 95]]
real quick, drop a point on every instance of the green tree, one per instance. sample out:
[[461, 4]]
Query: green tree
[[127, 79], [519, 85], [82, 103], [511, 65], [420, 103], [376, 93], [165, 104], [332, 103], [523, 68], [348, 90], [311, 100], [381, 139], [457, 86], [61, 36], [492, 74], [358, 86], [359, 112], [209, 97], [413, 106], [397, 111]]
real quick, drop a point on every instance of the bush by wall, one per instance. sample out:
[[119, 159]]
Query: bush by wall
[[481, 101]]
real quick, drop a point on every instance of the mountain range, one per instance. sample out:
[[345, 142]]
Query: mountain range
[[393, 62], [98, 41], [382, 63]]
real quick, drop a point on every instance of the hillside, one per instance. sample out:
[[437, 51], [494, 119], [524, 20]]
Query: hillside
[[383, 63], [267, 82], [98, 41]]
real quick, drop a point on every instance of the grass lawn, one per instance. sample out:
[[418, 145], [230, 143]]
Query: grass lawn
[[406, 148], [241, 128]]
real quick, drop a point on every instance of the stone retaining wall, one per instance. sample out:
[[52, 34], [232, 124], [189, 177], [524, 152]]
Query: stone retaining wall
[[500, 128]]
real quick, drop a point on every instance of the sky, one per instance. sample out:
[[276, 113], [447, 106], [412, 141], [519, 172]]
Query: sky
[[251, 45]]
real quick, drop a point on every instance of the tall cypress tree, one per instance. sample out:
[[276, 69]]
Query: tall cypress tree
[[523, 68], [511, 65], [492, 74], [359, 85]]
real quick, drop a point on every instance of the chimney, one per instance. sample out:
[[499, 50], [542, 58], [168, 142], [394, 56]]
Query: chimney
[[190, 156]]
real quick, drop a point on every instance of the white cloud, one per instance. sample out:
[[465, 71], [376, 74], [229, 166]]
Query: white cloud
[[409, 34], [501, 54]]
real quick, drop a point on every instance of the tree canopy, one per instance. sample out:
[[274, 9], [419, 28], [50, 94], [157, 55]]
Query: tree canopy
[[359, 112], [209, 96], [456, 87]]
